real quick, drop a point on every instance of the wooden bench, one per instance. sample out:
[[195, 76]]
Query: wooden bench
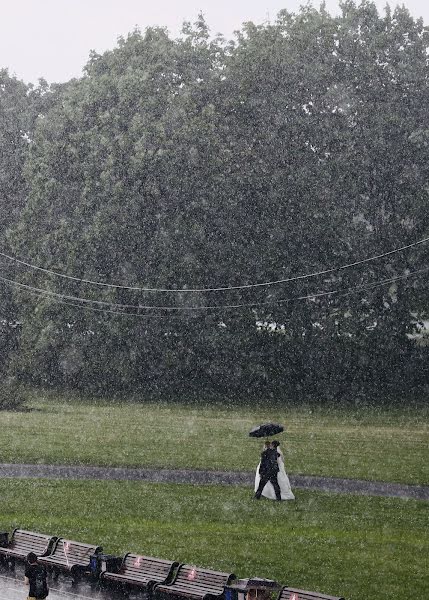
[[194, 582], [288, 593], [141, 571], [72, 558], [23, 542]]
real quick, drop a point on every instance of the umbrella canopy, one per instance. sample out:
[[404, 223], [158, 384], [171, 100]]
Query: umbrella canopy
[[266, 430]]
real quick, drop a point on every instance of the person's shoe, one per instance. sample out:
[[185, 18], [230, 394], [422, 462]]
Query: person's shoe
[[255, 497]]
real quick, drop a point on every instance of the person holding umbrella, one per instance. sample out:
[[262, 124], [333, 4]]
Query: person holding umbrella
[[268, 471], [282, 478]]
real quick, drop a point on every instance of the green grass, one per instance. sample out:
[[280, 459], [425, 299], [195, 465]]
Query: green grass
[[361, 547], [376, 444]]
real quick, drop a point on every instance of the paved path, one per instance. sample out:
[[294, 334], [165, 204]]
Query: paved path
[[326, 484], [12, 588]]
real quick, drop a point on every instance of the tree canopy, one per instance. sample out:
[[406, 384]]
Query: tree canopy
[[197, 162]]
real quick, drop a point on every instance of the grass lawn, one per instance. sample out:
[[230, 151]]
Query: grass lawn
[[361, 547], [378, 444]]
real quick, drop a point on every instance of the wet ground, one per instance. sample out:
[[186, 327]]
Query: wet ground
[[12, 583], [12, 588], [325, 484]]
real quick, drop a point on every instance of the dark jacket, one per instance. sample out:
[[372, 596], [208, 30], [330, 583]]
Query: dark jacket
[[269, 465], [32, 572]]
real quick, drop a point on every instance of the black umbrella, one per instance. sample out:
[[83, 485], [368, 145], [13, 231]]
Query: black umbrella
[[266, 430]]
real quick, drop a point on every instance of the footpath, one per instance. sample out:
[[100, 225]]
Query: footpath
[[197, 477], [12, 588]]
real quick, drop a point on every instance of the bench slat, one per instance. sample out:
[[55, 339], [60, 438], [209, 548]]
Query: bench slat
[[68, 554], [23, 542], [196, 583], [142, 571], [288, 593]]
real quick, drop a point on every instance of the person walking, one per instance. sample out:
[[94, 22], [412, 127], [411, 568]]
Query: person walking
[[268, 471], [35, 578], [282, 477]]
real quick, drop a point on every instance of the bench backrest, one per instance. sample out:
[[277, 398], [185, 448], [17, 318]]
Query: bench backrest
[[288, 593], [147, 567], [191, 576], [74, 553], [24, 542]]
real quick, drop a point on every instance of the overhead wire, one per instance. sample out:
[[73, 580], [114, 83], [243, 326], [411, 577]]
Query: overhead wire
[[87, 303], [220, 288]]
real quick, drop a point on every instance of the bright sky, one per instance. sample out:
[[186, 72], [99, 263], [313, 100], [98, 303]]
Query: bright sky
[[52, 38]]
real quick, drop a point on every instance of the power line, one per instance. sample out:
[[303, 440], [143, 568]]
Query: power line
[[222, 288], [107, 311], [88, 303]]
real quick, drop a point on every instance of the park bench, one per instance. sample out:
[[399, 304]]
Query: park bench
[[194, 582], [71, 558], [23, 542], [141, 571], [288, 593]]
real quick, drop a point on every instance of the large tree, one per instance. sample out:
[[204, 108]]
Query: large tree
[[197, 163], [20, 104]]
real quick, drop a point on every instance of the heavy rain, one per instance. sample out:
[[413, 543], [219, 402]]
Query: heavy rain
[[214, 327]]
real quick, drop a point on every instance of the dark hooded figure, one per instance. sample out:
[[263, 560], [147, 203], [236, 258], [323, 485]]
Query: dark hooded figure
[[268, 472], [35, 577]]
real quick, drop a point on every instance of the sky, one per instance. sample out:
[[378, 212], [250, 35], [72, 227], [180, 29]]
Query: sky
[[53, 38]]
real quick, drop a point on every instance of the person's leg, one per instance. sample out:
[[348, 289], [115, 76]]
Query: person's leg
[[276, 486], [262, 484]]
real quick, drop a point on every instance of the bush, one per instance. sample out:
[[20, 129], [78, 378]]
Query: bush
[[11, 395]]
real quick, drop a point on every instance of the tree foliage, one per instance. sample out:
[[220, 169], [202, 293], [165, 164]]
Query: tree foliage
[[196, 162], [19, 106]]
